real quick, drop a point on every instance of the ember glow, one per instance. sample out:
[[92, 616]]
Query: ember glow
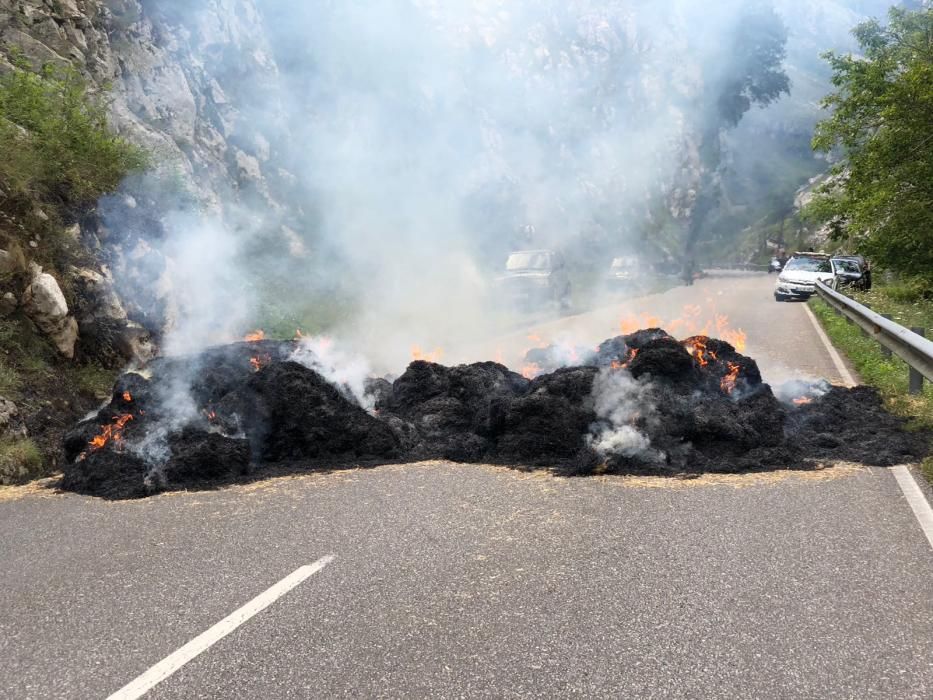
[[127, 396], [255, 336], [728, 382], [802, 401]]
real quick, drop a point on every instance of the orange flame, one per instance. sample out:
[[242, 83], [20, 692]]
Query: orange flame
[[531, 370], [434, 356], [112, 432], [696, 346], [536, 339], [127, 396], [632, 323], [210, 414], [736, 338], [255, 336], [803, 401], [630, 355], [688, 324], [298, 334], [727, 384], [692, 310]]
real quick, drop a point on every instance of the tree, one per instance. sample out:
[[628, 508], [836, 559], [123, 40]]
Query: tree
[[879, 197], [750, 72]]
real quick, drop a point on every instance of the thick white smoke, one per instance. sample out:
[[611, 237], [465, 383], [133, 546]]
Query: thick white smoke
[[625, 409], [393, 152], [347, 371]]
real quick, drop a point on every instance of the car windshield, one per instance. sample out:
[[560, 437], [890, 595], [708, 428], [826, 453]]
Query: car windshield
[[808, 265], [528, 261], [847, 266]]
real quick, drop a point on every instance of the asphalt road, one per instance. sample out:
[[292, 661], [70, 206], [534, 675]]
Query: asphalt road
[[471, 581]]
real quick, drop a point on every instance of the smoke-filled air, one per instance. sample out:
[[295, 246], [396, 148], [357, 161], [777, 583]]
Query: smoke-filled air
[[392, 153]]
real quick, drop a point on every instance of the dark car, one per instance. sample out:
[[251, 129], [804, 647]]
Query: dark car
[[852, 270], [625, 273], [535, 278]]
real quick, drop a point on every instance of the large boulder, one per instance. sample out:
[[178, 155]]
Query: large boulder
[[45, 304], [107, 334]]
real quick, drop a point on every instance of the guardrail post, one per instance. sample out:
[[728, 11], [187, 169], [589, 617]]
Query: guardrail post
[[915, 379], [886, 351], [862, 330]]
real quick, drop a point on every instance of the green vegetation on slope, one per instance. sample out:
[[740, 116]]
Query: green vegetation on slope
[[58, 157], [55, 140], [19, 459], [880, 198]]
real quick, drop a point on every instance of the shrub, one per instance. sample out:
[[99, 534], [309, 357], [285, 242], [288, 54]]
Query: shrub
[[19, 460], [55, 141]]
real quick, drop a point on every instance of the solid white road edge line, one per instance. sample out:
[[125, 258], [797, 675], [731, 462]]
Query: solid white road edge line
[[833, 353], [918, 502], [174, 661], [905, 480]]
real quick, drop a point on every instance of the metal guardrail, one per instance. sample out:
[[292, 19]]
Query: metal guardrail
[[908, 344]]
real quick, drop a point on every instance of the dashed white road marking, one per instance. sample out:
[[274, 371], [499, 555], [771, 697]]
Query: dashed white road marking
[[905, 480], [174, 661], [844, 372]]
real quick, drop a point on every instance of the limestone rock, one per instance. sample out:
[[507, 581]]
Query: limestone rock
[[45, 304], [11, 423], [98, 297]]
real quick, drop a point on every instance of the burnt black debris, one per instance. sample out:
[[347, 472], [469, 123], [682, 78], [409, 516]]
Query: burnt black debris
[[641, 403]]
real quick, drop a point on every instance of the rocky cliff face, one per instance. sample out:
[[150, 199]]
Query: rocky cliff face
[[189, 82], [171, 82]]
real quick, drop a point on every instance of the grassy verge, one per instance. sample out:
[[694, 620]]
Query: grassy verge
[[888, 375], [19, 460]]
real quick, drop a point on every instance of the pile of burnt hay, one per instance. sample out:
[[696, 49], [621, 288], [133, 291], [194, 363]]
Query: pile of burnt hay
[[643, 403]]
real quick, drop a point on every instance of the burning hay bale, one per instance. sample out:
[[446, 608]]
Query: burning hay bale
[[550, 420], [213, 417], [291, 412], [641, 403], [455, 412]]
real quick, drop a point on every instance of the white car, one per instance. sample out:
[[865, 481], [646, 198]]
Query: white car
[[799, 276]]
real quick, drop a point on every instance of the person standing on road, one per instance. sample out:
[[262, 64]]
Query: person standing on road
[[688, 271]]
